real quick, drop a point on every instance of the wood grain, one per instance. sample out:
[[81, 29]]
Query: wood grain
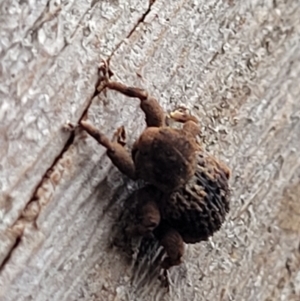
[[235, 64]]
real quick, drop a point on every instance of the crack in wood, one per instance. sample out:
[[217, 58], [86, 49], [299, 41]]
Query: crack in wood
[[28, 216], [32, 208], [44, 17], [6, 259], [140, 20]]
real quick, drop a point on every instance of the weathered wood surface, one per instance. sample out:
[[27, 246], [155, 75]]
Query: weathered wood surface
[[236, 64]]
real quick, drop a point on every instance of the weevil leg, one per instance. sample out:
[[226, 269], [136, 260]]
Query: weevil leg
[[190, 122], [173, 244], [154, 113], [120, 136], [120, 157], [147, 211]]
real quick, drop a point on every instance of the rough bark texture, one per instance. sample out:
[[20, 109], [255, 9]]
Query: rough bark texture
[[236, 64]]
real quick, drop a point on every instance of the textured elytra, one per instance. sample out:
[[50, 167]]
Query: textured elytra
[[199, 208]]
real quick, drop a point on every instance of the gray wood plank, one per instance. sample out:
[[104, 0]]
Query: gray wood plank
[[236, 65]]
